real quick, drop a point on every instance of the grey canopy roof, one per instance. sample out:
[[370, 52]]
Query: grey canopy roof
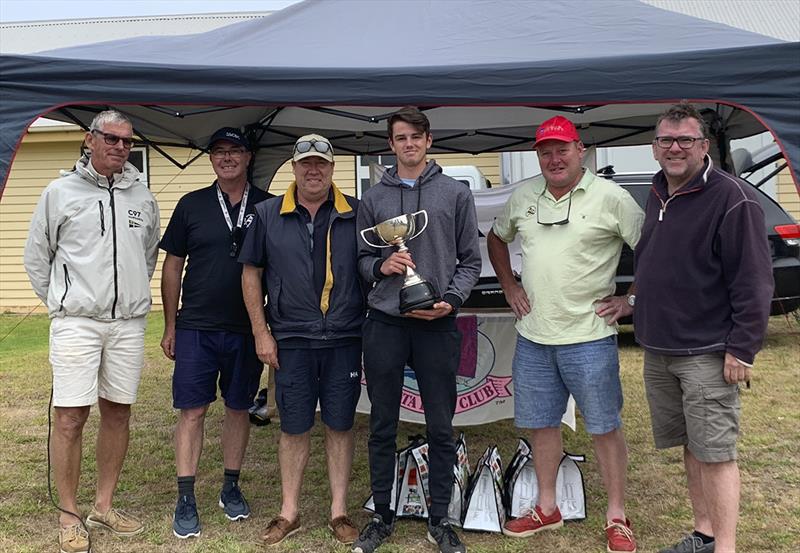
[[486, 72]]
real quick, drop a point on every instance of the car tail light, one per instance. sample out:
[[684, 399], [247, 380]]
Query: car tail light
[[789, 233]]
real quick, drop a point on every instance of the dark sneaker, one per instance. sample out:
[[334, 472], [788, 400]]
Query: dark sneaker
[[234, 504], [619, 536], [446, 538], [533, 522], [690, 544], [186, 522], [372, 536]]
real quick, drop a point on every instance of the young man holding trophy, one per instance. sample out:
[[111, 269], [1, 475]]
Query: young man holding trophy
[[411, 316]]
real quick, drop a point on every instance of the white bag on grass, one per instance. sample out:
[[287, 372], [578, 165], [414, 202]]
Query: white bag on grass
[[461, 473], [413, 499], [570, 491], [484, 502], [522, 489], [400, 462]]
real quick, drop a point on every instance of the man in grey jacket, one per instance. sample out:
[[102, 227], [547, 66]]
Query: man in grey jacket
[[90, 254], [448, 257]]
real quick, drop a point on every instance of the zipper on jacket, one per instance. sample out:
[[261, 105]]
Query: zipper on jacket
[[102, 218], [66, 287], [664, 204], [114, 234]]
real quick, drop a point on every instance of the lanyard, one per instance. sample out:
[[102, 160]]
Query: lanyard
[[242, 208]]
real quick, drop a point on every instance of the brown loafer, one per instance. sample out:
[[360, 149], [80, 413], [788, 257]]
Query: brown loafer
[[343, 530], [279, 529]]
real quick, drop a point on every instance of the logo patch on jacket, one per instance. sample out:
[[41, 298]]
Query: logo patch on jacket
[[248, 219], [135, 219]]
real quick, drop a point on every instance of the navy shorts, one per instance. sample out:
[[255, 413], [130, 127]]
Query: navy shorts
[[331, 376], [203, 356]]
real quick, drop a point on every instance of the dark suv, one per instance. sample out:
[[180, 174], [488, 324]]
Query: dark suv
[[782, 230]]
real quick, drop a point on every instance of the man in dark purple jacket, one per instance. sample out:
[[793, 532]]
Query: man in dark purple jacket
[[704, 283]]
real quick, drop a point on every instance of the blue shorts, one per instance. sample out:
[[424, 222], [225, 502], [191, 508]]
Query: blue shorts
[[202, 357], [544, 377], [331, 376]]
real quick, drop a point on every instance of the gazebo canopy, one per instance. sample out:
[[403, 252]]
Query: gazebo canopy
[[486, 72]]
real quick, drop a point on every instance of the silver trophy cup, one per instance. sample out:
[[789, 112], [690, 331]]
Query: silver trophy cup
[[416, 292]]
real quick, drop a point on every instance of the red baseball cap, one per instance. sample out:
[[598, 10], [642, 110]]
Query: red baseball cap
[[557, 128]]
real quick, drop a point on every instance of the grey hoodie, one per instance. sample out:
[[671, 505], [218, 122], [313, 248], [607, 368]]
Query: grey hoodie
[[446, 253], [92, 247]]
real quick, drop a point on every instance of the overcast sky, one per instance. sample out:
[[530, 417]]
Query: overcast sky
[[42, 10]]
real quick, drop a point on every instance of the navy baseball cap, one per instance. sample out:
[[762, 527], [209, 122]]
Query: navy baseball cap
[[231, 135]]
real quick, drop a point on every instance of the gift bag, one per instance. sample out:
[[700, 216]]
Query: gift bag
[[484, 501], [570, 492], [413, 499], [522, 489], [461, 475], [400, 462]]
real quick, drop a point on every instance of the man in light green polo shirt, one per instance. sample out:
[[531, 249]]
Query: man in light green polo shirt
[[572, 225]]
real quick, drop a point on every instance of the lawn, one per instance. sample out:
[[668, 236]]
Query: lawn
[[657, 503]]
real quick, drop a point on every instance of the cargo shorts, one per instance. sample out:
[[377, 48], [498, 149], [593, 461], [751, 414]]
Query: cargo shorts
[[691, 405]]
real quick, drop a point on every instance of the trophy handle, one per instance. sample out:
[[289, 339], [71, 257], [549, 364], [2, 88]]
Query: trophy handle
[[420, 231], [364, 237]]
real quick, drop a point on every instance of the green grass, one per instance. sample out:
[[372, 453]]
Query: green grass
[[657, 502]]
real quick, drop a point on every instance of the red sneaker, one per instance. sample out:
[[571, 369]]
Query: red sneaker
[[620, 536], [533, 522]]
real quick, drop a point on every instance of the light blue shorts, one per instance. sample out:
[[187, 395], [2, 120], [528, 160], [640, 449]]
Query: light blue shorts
[[544, 377]]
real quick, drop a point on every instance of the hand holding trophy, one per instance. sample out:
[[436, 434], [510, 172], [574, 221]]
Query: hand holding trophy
[[416, 292]]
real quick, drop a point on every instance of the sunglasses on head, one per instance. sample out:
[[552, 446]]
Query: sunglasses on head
[[306, 145], [113, 139]]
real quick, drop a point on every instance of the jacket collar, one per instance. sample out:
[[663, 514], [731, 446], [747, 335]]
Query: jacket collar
[[289, 203], [123, 179], [697, 183]]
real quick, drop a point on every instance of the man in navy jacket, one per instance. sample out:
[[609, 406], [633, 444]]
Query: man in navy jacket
[[703, 277], [304, 245]]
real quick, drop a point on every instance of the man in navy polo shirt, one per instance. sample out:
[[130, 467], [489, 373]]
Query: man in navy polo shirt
[[304, 244], [209, 338]]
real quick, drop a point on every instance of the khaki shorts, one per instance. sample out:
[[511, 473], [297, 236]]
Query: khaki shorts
[[92, 359], [692, 405]]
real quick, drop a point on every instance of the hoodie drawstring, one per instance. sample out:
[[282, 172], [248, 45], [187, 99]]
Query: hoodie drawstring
[[419, 196]]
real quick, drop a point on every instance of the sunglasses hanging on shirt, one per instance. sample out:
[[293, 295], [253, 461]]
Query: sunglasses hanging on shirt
[[236, 241], [563, 221], [236, 232]]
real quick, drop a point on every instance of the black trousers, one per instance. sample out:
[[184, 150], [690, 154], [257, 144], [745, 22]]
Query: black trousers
[[433, 354]]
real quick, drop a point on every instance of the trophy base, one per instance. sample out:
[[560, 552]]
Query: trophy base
[[417, 296]]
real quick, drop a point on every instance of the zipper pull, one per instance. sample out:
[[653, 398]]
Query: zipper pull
[[661, 214]]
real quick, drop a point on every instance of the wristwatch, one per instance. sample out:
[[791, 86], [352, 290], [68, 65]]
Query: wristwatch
[[631, 300]]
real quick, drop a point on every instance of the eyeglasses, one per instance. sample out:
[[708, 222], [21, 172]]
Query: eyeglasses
[[113, 139], [306, 145], [563, 221], [685, 142], [235, 153]]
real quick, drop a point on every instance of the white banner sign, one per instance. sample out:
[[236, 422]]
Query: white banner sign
[[485, 391]]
